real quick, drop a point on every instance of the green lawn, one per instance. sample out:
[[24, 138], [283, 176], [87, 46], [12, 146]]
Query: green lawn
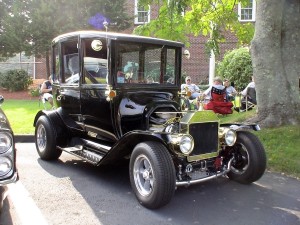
[[21, 114], [281, 144]]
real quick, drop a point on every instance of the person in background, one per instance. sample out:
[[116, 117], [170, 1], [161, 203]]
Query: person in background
[[46, 90], [217, 83], [193, 88], [195, 92], [216, 96], [230, 90], [249, 96], [250, 85]]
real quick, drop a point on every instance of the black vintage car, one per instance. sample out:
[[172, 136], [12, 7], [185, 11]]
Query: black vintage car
[[117, 97], [8, 170]]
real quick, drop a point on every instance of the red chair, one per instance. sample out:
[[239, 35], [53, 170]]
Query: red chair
[[218, 102]]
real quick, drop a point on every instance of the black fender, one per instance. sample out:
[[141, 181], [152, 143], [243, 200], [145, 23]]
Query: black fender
[[60, 129], [241, 126], [125, 145]]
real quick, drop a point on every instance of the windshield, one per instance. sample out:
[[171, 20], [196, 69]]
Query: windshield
[[140, 63]]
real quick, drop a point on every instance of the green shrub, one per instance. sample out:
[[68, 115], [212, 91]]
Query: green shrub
[[34, 92], [15, 80], [237, 67]]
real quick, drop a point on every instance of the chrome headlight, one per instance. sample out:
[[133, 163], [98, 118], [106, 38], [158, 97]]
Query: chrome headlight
[[5, 166], [186, 144], [5, 142], [230, 137]]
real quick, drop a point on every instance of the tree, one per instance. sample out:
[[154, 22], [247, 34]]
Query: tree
[[212, 18], [13, 22], [169, 24], [31, 25], [275, 51]]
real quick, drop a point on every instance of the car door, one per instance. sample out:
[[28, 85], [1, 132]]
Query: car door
[[68, 91], [95, 109]]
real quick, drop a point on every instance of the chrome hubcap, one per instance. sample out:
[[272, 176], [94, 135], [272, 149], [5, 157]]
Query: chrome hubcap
[[143, 175], [41, 138]]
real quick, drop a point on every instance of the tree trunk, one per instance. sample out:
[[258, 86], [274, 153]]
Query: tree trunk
[[275, 51]]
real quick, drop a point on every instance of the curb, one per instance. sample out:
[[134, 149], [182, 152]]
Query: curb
[[24, 138]]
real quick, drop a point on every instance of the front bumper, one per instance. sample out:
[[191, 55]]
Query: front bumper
[[223, 172]]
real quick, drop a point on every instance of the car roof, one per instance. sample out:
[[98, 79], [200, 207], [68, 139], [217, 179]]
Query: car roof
[[116, 36]]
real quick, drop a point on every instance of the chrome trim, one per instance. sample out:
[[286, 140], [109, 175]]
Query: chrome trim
[[97, 145], [96, 129], [10, 136], [187, 183], [192, 158], [13, 179]]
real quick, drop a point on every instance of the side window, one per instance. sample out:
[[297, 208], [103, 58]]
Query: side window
[[160, 66], [153, 65], [70, 63], [95, 62], [141, 63], [169, 77], [128, 67], [56, 65]]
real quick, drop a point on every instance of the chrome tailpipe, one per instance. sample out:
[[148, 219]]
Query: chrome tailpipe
[[190, 182]]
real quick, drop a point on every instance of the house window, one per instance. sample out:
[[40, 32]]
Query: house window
[[247, 11], [142, 13]]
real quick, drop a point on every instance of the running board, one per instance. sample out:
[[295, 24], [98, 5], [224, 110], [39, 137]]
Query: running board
[[87, 150], [87, 155], [84, 154]]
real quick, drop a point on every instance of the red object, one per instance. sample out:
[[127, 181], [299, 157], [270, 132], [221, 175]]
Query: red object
[[218, 102]]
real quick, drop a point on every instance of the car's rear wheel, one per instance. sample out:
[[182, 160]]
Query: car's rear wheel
[[45, 140], [152, 174], [249, 162]]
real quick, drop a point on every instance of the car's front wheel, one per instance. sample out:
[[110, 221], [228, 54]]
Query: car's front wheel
[[45, 139], [249, 161], [152, 174]]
